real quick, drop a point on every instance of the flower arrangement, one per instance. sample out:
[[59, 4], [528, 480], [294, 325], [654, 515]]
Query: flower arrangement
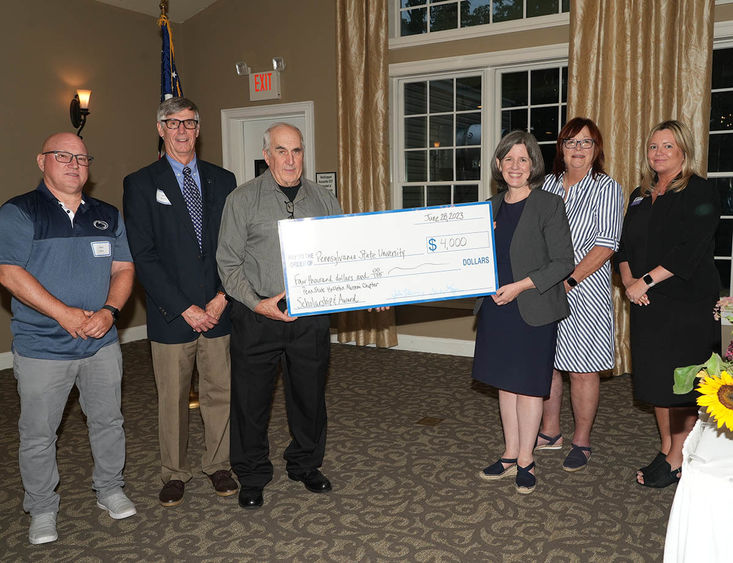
[[715, 388], [724, 309]]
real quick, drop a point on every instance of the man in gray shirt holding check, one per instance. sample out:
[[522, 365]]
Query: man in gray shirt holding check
[[263, 334]]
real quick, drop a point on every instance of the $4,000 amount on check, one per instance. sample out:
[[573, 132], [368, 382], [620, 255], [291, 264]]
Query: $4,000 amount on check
[[387, 258]]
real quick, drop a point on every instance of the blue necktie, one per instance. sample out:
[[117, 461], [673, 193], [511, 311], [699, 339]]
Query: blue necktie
[[193, 201]]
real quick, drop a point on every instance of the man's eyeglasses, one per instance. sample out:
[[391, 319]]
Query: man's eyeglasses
[[580, 143], [290, 208], [175, 123], [65, 157]]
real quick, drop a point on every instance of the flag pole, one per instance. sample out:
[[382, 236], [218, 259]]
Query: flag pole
[[170, 86]]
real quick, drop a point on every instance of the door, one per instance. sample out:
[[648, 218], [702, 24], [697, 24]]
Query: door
[[242, 130]]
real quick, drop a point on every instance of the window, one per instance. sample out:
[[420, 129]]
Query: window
[[535, 100], [720, 158], [445, 126], [417, 17], [442, 140]]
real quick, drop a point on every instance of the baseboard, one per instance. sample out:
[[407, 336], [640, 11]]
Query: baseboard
[[430, 344], [133, 333], [126, 335]]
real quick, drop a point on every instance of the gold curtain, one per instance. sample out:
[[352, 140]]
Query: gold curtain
[[634, 63], [363, 169]]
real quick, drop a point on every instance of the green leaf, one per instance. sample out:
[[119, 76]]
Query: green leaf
[[714, 365], [684, 378]]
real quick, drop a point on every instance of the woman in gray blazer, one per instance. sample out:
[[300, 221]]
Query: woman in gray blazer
[[517, 326]]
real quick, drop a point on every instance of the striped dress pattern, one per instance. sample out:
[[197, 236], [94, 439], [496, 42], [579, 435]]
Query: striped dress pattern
[[594, 207]]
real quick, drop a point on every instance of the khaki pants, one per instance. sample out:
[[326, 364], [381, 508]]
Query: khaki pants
[[173, 366]]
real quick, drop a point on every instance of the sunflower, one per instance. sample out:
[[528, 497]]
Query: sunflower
[[716, 393]]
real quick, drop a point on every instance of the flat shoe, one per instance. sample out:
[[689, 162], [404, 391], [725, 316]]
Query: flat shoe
[[497, 470], [43, 528], [662, 476], [576, 459], [551, 442], [525, 482], [117, 505], [172, 493], [224, 485]]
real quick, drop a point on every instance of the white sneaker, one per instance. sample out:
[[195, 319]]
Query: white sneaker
[[43, 528], [118, 506]]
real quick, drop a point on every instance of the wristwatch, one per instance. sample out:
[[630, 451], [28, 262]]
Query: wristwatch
[[648, 280], [571, 281], [114, 310]]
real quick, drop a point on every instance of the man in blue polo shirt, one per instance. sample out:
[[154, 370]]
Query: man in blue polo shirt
[[65, 260]]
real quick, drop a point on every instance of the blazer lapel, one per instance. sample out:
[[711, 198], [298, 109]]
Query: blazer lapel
[[496, 204]]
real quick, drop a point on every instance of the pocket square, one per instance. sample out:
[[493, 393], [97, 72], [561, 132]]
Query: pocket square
[[160, 197]]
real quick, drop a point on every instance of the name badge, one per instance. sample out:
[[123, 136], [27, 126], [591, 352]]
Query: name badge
[[101, 248], [160, 197]]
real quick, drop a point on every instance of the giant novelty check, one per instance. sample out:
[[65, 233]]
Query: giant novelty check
[[388, 258]]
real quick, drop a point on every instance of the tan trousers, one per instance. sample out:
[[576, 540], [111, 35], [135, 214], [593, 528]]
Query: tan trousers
[[173, 367]]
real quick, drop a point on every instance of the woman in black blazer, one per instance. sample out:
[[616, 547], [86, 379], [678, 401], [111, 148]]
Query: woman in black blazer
[[517, 326], [667, 267]]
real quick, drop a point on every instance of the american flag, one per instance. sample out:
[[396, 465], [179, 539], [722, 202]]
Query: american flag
[[170, 82]]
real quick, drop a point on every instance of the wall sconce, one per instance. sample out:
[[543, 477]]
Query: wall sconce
[[278, 63], [79, 109]]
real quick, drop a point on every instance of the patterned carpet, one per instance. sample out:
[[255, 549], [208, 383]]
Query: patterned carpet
[[403, 491]]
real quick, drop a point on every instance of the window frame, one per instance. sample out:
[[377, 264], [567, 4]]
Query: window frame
[[723, 39], [396, 41], [399, 163], [489, 66]]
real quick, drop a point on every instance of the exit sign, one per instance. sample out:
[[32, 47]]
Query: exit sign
[[264, 85]]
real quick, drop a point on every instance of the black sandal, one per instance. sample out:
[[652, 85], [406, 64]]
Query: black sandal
[[525, 482], [497, 470], [653, 465], [661, 476]]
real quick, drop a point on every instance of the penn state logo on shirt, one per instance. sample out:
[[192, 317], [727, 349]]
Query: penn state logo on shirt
[[101, 225]]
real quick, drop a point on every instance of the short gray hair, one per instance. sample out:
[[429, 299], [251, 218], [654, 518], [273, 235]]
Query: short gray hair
[[266, 136], [537, 171], [174, 105]]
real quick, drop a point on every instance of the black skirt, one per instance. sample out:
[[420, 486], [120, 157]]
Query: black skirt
[[667, 334]]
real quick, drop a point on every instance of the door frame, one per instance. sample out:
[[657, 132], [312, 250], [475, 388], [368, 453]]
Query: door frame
[[233, 124]]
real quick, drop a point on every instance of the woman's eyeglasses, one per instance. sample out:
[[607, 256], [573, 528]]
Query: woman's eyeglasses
[[579, 143]]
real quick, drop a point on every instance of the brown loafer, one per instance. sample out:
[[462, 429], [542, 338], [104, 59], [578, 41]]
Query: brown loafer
[[223, 483], [172, 493]]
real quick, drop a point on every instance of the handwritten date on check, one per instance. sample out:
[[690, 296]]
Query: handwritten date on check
[[387, 258]]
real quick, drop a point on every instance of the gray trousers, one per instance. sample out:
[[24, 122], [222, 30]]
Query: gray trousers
[[44, 387]]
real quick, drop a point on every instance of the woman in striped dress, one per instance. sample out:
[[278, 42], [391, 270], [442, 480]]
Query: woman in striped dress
[[585, 346]]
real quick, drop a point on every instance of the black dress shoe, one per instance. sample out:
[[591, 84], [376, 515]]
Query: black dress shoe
[[250, 498], [172, 493], [314, 481]]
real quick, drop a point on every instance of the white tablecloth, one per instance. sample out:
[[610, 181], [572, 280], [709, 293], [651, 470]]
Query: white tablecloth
[[700, 524]]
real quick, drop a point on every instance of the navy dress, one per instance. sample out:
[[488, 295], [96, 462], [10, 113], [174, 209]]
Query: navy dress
[[510, 354]]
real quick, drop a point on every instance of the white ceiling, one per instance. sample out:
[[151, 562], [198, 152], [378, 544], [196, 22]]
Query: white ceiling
[[178, 10]]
